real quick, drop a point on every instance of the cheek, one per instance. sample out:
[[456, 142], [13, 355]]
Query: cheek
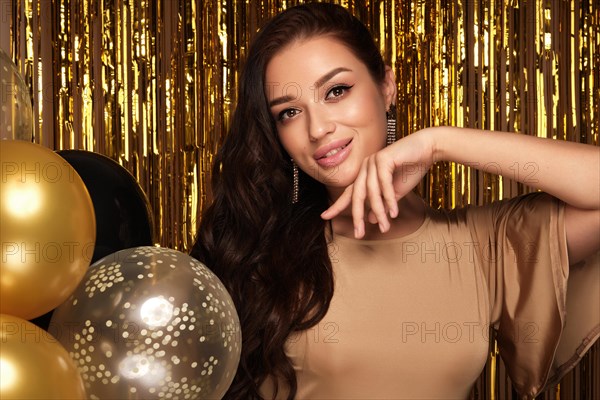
[[291, 145], [365, 111], [285, 141]]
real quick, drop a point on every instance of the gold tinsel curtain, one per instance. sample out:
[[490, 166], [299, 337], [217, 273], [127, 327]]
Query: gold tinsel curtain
[[151, 84]]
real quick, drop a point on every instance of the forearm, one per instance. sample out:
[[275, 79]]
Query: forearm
[[567, 170]]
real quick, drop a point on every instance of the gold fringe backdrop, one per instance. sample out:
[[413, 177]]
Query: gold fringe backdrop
[[151, 84]]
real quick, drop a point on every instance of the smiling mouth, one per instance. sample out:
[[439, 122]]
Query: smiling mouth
[[335, 156], [334, 151]]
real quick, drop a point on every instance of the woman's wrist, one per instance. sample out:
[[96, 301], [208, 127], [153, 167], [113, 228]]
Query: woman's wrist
[[436, 141]]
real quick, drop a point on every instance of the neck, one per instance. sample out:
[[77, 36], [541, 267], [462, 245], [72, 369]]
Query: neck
[[334, 193], [411, 215]]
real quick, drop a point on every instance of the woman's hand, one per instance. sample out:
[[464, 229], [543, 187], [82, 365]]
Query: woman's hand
[[567, 170], [383, 179]]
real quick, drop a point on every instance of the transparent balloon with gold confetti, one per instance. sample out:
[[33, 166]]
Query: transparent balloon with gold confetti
[[16, 112], [151, 323]]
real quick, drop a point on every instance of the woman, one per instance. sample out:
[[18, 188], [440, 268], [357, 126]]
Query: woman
[[346, 283]]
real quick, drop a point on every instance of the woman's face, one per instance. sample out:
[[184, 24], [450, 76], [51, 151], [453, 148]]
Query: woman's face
[[330, 113]]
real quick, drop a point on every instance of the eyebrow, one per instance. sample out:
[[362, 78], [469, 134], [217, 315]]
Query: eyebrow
[[321, 81], [318, 83]]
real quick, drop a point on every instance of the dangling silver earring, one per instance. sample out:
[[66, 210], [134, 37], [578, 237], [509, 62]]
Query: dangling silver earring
[[295, 185], [391, 124]]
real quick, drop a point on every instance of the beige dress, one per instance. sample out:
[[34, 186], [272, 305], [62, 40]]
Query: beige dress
[[410, 317]]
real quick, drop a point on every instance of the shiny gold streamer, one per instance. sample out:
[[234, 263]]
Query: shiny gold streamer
[[152, 85]]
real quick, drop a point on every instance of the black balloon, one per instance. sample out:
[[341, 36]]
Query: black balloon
[[123, 213]]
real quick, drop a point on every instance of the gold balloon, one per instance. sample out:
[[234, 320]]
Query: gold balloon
[[151, 323], [33, 364], [48, 229]]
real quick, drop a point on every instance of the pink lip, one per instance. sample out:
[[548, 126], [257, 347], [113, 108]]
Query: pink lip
[[338, 157], [321, 151]]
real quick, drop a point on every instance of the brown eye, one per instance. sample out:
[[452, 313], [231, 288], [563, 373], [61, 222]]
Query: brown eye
[[337, 91], [287, 113]]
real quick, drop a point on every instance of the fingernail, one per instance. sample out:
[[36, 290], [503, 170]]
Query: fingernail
[[356, 233]]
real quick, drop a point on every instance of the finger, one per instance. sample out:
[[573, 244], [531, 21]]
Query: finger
[[359, 194], [339, 205], [386, 184], [371, 217], [374, 193]]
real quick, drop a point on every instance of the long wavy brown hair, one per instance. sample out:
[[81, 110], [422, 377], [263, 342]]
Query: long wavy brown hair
[[271, 254]]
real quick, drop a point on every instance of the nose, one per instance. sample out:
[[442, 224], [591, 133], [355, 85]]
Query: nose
[[319, 125]]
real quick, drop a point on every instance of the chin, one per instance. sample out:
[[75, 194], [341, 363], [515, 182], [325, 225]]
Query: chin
[[338, 183], [338, 177]]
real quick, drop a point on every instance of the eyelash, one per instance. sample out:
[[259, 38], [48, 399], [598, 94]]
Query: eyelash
[[345, 88], [283, 115]]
